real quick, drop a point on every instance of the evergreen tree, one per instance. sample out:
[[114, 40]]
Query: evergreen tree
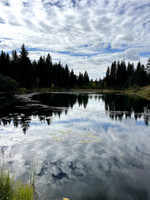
[[121, 74], [26, 70], [113, 73], [48, 71], [35, 79], [66, 77], [60, 72], [73, 79], [130, 73], [107, 79], [2, 62], [41, 71], [7, 65], [140, 75], [14, 56], [15, 69], [80, 79], [86, 78]]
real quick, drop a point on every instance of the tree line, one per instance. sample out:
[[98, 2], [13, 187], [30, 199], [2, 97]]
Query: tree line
[[122, 75], [39, 74], [19, 71]]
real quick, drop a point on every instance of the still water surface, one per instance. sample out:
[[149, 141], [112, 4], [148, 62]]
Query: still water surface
[[81, 146]]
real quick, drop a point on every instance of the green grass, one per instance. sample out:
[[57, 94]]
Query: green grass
[[23, 192], [14, 190], [143, 92]]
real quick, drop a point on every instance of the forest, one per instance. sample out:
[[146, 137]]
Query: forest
[[120, 75], [21, 71], [18, 71]]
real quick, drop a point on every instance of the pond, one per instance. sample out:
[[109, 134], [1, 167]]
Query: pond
[[82, 146]]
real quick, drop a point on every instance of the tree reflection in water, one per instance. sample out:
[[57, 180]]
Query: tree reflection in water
[[20, 109]]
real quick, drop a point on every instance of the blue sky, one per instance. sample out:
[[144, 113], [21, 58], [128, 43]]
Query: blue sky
[[85, 34]]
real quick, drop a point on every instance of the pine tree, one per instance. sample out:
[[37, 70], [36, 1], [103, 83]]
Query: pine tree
[[113, 74], [86, 78], [107, 77], [73, 79], [2, 62], [121, 74], [80, 79], [48, 71], [140, 75], [41, 71], [66, 77], [25, 68], [15, 70], [130, 73]]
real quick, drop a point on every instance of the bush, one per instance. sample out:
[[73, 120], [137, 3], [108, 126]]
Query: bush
[[7, 84]]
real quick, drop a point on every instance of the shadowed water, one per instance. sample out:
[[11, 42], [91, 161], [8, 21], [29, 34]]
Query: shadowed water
[[82, 146]]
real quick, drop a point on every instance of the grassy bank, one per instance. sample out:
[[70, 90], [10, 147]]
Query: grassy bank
[[14, 190], [143, 92]]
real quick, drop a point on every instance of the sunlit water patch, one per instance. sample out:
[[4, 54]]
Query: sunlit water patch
[[82, 146]]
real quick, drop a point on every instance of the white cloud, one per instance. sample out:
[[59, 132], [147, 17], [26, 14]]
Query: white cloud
[[68, 25]]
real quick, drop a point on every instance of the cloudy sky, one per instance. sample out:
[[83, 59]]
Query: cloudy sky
[[85, 34]]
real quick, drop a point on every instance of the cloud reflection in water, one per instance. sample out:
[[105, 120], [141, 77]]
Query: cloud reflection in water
[[83, 154]]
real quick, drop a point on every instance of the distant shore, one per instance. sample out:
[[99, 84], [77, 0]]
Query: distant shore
[[143, 92]]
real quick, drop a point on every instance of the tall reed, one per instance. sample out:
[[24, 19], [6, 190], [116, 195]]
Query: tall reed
[[14, 190]]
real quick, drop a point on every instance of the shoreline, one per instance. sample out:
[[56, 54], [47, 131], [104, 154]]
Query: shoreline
[[142, 92]]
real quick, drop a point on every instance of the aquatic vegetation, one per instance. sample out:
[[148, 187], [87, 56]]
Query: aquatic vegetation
[[65, 132], [85, 141], [89, 137], [14, 190], [88, 141], [23, 192], [92, 136], [60, 133], [98, 140], [52, 134], [57, 139]]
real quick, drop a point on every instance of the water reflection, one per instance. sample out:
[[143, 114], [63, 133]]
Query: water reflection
[[119, 106], [85, 153], [19, 109]]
